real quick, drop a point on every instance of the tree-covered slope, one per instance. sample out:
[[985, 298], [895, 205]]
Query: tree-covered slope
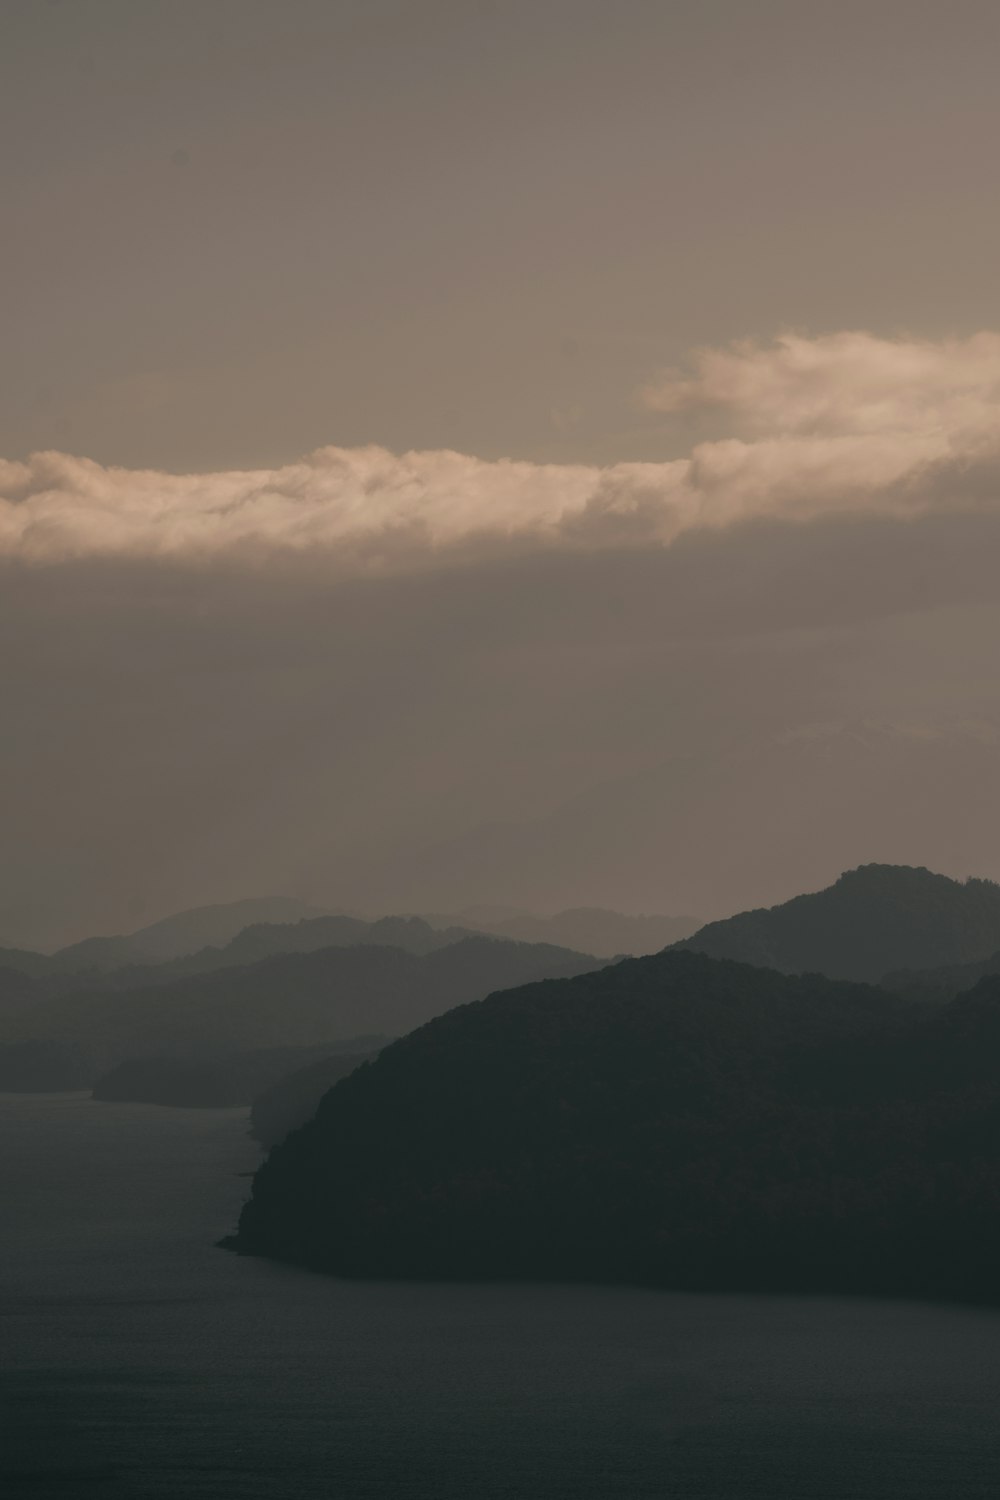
[[943, 983], [672, 1120], [17, 990], [293, 1099], [873, 920]]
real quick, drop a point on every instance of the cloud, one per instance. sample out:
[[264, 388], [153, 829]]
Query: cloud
[[841, 424], [365, 506], [844, 384]]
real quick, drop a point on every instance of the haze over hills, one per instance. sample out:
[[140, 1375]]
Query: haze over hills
[[212, 926], [673, 1120], [589, 929], [172, 937], [873, 920], [309, 935], [228, 1079], [59, 974], [288, 1000], [121, 964], [754, 821], [136, 959]]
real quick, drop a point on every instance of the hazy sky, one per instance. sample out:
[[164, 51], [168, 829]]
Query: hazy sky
[[534, 453], [236, 230]]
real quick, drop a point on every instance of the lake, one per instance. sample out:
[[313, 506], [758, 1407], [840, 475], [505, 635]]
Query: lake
[[140, 1361]]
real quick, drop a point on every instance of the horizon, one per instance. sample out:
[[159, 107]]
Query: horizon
[[491, 917]]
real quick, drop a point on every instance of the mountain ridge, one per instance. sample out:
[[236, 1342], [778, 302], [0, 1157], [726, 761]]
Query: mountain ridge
[[871, 921]]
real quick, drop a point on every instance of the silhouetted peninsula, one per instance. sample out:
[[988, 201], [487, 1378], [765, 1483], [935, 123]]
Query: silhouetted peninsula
[[672, 1120]]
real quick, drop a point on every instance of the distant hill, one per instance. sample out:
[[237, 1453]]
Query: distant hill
[[213, 926], [44, 1066], [943, 983], [873, 920], [119, 963], [289, 1000], [17, 989], [95, 955], [590, 929], [179, 935], [410, 933], [24, 961], [269, 939], [222, 1080], [293, 1099], [172, 937], [674, 1120]]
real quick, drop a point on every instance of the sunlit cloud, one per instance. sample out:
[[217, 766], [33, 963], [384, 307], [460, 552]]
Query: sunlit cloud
[[819, 426]]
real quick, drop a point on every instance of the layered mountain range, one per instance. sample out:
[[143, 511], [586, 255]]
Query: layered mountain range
[[306, 999], [797, 1097]]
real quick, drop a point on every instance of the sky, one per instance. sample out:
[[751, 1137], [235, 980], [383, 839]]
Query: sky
[[527, 455]]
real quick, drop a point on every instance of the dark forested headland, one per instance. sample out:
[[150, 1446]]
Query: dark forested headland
[[294, 1097], [672, 1120]]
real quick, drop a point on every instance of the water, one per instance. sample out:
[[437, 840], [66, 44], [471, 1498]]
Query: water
[[139, 1361]]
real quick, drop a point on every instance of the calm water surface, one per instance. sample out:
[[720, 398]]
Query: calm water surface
[[139, 1361]]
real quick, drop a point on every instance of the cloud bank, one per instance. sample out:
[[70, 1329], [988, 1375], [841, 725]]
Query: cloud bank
[[820, 426]]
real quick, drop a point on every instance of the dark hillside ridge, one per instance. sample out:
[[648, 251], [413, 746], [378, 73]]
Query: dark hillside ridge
[[293, 1099], [17, 990], [675, 1121], [872, 921], [24, 961], [941, 984], [290, 1000]]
